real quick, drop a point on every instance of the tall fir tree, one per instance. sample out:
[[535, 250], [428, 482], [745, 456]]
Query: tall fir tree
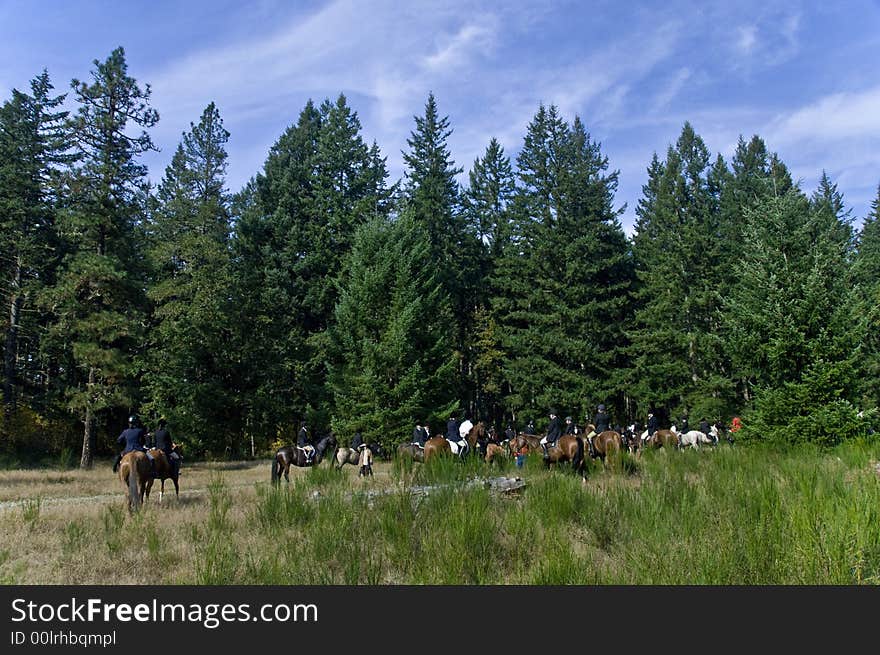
[[189, 373], [487, 203], [794, 331], [678, 357], [431, 197], [33, 153], [561, 285], [866, 278], [99, 297], [295, 227], [390, 338]]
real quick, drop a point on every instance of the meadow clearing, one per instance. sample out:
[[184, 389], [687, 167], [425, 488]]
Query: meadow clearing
[[724, 516]]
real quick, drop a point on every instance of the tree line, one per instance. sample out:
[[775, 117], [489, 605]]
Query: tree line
[[321, 291]]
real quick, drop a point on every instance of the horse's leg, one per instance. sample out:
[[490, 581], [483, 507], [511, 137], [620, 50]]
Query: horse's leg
[[162, 491], [287, 470]]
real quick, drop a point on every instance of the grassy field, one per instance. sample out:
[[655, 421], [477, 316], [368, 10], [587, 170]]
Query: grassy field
[[728, 516]]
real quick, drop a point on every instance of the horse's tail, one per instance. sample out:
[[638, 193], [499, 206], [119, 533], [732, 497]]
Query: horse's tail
[[134, 496], [275, 474], [579, 455]]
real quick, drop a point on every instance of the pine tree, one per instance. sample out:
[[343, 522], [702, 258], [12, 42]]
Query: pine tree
[[866, 278], [295, 227], [390, 338], [561, 284], [98, 300], [792, 320], [678, 347], [33, 145], [431, 196], [189, 373]]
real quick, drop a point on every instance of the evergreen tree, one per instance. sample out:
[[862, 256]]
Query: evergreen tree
[[33, 145], [295, 227], [866, 276], [391, 337], [189, 373], [487, 204], [794, 331], [677, 340], [431, 197], [98, 300], [561, 284]]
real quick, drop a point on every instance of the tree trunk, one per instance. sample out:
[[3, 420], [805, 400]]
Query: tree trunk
[[11, 348], [88, 450]]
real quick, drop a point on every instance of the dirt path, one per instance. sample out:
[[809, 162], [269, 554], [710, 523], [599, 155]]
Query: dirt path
[[154, 497]]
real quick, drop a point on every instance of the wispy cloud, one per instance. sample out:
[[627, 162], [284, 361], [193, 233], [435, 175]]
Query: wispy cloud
[[747, 39], [472, 38]]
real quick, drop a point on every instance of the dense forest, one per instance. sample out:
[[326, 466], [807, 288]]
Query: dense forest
[[323, 291]]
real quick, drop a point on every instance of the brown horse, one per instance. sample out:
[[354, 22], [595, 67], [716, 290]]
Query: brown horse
[[606, 444], [135, 473], [436, 447], [530, 441], [163, 469], [495, 453], [569, 448], [663, 439], [290, 455]]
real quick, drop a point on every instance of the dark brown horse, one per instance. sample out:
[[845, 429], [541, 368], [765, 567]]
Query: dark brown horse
[[293, 455], [163, 468], [135, 473], [663, 439]]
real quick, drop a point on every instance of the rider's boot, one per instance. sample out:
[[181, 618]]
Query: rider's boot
[[546, 453], [116, 463]]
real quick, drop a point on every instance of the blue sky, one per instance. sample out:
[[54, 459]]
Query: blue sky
[[803, 75]]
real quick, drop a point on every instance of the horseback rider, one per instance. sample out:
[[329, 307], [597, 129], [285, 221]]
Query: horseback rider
[[357, 441], [304, 442], [554, 431], [653, 424], [161, 439], [510, 433], [530, 428], [419, 436], [465, 428], [133, 438], [453, 436], [601, 424], [704, 427], [570, 427]]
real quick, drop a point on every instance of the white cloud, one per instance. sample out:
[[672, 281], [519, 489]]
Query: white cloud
[[472, 38], [832, 118], [747, 39]]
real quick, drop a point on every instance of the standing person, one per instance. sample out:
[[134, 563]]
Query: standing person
[[554, 431], [132, 438], [304, 442]]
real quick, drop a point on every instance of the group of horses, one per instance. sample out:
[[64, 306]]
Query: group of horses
[[137, 472]]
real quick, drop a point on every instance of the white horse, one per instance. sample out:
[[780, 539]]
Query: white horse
[[694, 438]]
